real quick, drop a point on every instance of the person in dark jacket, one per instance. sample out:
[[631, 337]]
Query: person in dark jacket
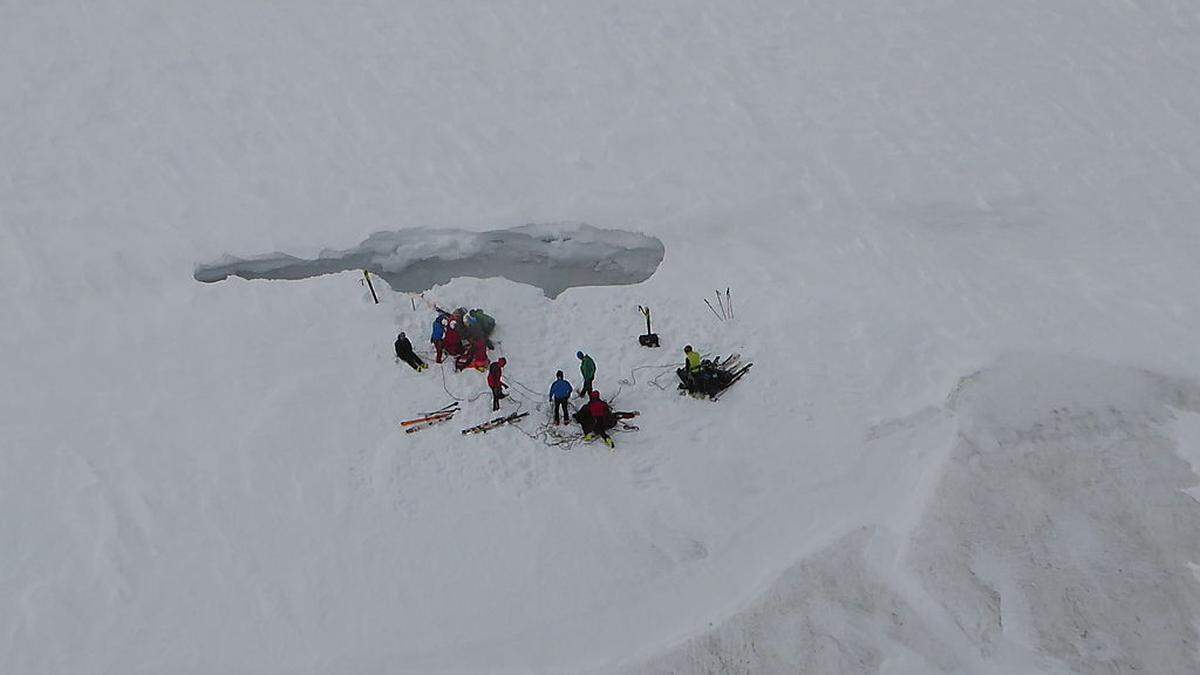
[[560, 394], [404, 352], [495, 372], [587, 368]]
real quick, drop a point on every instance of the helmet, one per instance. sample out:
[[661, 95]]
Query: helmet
[[595, 395], [401, 333], [502, 361], [579, 355], [687, 348], [558, 374]]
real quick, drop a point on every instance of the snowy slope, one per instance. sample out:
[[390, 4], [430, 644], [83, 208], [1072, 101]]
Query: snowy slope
[[961, 240]]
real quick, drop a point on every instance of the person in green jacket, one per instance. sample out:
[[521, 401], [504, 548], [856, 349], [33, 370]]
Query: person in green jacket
[[587, 368]]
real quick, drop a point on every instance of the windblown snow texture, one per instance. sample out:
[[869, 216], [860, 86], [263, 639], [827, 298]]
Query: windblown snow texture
[[1058, 536], [551, 257]]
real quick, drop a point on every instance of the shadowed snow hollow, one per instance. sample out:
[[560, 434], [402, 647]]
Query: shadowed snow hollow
[[551, 257]]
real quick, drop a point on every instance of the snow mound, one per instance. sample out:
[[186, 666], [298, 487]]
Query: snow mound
[[1058, 535], [831, 613], [1061, 520], [553, 257]]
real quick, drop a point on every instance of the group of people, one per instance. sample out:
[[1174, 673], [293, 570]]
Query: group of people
[[596, 416], [466, 336]]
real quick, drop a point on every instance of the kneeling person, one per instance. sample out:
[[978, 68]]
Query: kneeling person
[[602, 418]]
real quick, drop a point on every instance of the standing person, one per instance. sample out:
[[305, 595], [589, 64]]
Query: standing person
[[495, 372], [405, 353], [438, 334], [602, 418], [587, 368], [560, 393]]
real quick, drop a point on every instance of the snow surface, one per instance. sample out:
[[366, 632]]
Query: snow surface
[[961, 240], [553, 257]]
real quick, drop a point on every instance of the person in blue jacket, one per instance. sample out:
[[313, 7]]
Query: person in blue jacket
[[560, 393], [438, 334]]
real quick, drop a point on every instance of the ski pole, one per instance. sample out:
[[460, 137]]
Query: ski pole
[[718, 294], [367, 276], [713, 310]]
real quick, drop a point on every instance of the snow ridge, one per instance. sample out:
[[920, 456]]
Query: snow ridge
[[553, 257], [1058, 536]]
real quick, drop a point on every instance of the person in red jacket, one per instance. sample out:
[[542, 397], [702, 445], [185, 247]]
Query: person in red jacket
[[479, 355], [602, 417], [452, 342], [475, 357], [495, 372]]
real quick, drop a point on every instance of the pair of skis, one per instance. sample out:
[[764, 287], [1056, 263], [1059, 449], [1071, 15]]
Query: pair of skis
[[737, 375], [731, 363], [492, 424], [429, 419]]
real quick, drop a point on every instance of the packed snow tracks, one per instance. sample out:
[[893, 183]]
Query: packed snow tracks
[[552, 257]]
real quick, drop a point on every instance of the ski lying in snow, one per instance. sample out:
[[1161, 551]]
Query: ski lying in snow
[[440, 412], [492, 424], [446, 408], [428, 418], [428, 423], [737, 375], [440, 415]]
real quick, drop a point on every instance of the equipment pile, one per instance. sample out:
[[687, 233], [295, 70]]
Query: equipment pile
[[714, 377]]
